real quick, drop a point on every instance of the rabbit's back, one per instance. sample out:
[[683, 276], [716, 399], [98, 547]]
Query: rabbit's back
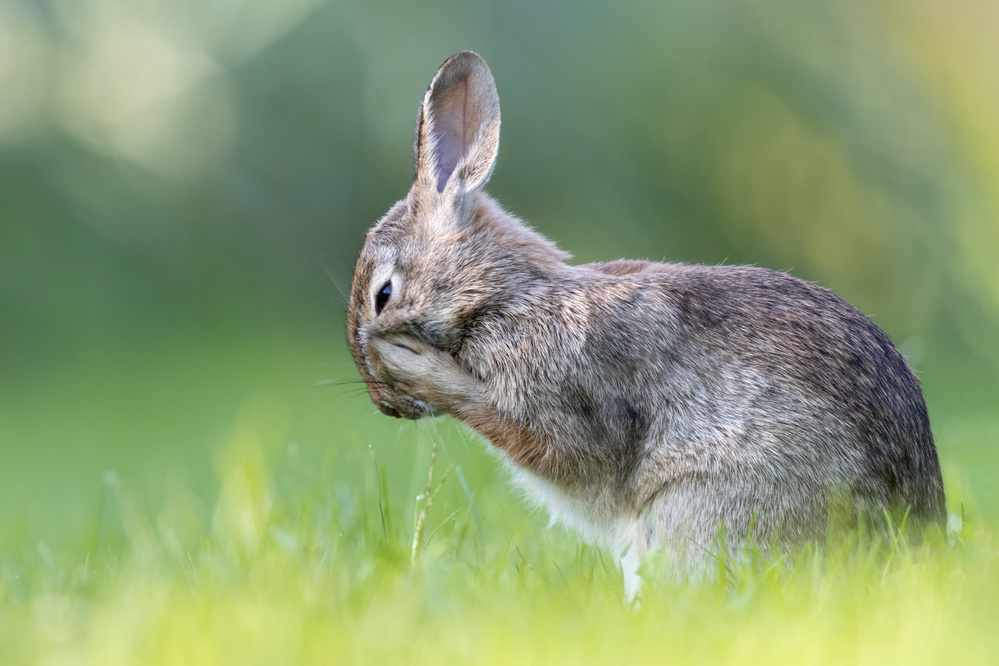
[[807, 378]]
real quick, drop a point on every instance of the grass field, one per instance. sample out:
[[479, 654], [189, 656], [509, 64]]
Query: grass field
[[207, 505]]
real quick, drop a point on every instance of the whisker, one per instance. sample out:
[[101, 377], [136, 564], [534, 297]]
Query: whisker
[[329, 383], [352, 393], [353, 398], [333, 279]]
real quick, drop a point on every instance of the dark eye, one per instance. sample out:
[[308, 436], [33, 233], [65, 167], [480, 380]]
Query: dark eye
[[383, 297]]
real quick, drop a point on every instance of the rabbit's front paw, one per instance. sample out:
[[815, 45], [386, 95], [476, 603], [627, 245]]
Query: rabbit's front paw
[[423, 372]]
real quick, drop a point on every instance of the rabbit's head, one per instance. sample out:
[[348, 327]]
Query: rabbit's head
[[446, 254]]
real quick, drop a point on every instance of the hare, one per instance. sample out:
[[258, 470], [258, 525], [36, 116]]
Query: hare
[[643, 404]]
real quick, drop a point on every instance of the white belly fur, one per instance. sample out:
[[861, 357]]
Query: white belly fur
[[594, 518]]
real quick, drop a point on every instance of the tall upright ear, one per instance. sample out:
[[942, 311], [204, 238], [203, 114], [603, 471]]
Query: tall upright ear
[[457, 127]]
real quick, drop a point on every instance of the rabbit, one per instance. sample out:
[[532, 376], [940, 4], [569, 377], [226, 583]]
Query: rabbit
[[643, 404]]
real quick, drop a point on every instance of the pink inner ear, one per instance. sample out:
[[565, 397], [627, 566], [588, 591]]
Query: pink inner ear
[[455, 121]]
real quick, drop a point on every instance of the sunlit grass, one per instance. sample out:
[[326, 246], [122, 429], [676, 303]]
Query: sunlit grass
[[324, 574]]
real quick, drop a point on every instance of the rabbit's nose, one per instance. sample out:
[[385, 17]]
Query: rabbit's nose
[[389, 410]]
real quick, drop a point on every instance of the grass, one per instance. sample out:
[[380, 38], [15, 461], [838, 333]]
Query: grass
[[294, 544]]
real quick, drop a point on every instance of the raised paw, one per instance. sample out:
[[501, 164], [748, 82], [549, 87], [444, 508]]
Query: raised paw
[[421, 371]]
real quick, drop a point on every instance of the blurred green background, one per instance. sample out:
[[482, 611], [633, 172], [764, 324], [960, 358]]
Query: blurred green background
[[184, 187]]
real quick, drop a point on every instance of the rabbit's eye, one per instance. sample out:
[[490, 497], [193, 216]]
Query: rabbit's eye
[[382, 297]]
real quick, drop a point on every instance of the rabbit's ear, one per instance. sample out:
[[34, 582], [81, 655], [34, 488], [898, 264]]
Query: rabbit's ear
[[457, 127]]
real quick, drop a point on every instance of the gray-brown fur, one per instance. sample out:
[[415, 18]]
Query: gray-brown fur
[[642, 403]]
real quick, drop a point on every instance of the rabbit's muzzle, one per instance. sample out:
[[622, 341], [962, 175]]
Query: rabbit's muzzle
[[416, 379], [396, 378]]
